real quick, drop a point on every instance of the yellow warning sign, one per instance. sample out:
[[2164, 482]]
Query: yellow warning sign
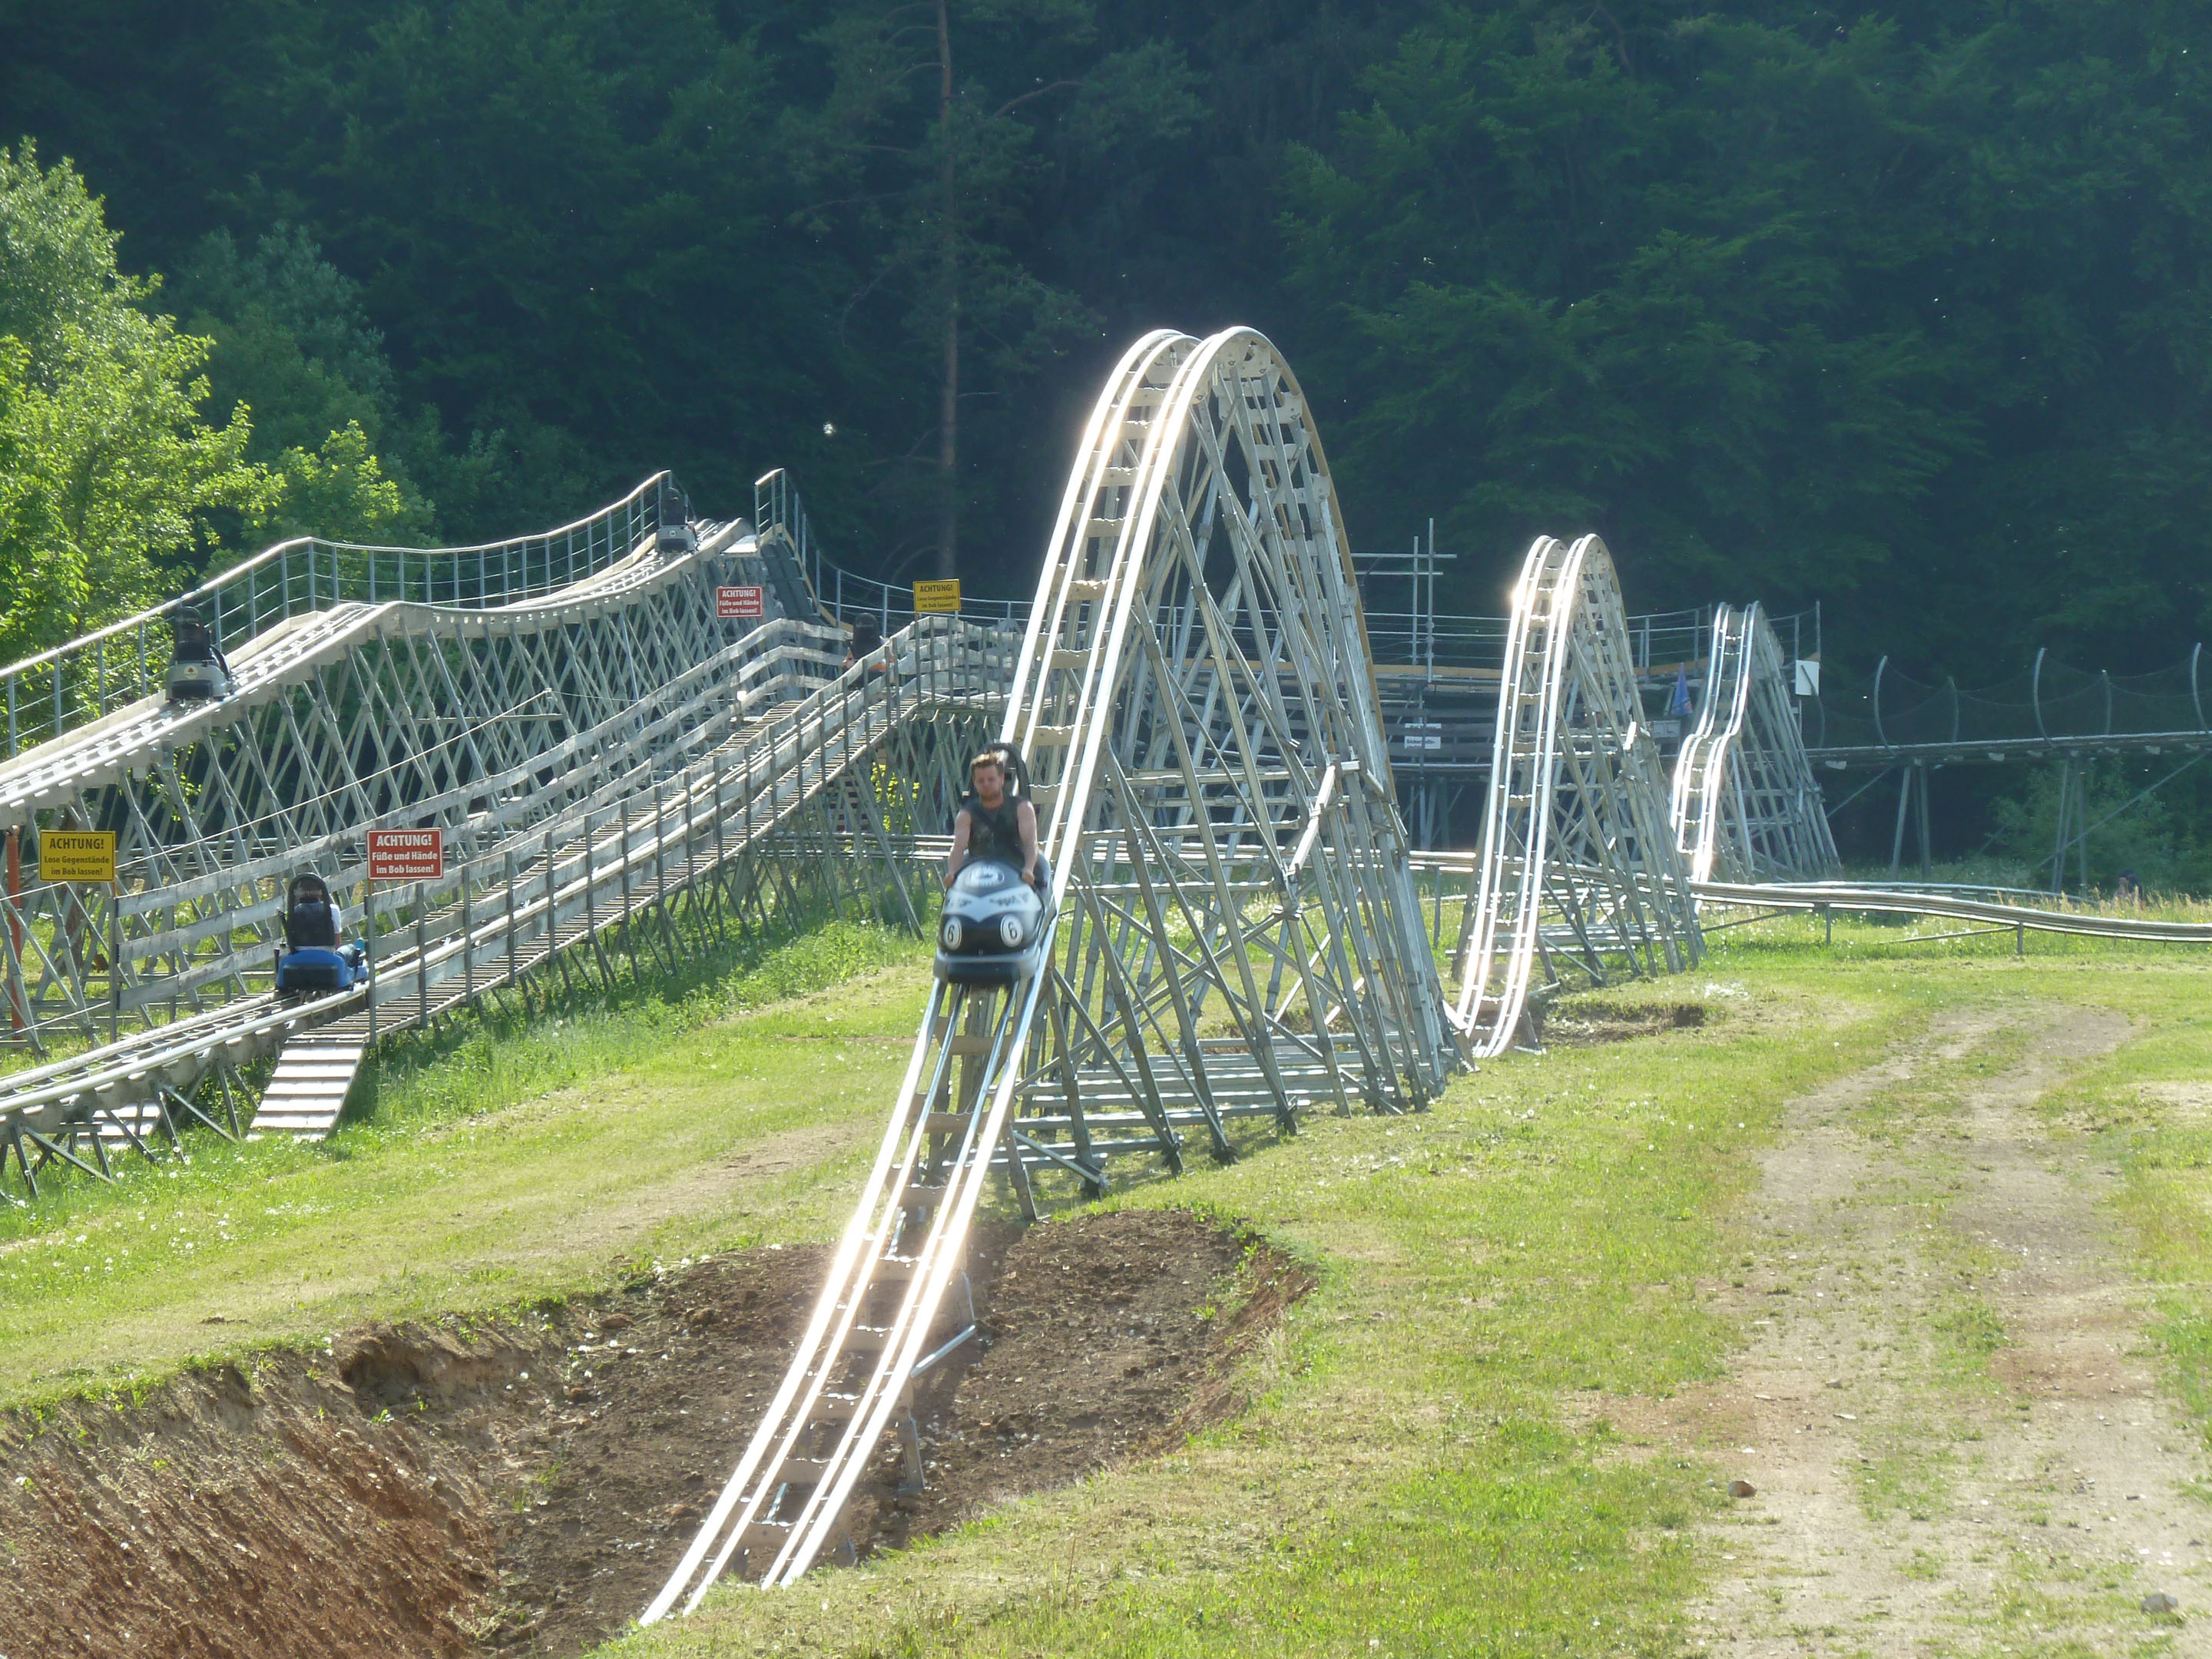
[[936, 596], [77, 855]]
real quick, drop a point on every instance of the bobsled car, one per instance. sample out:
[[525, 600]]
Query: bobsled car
[[995, 925], [197, 670], [313, 962], [675, 533]]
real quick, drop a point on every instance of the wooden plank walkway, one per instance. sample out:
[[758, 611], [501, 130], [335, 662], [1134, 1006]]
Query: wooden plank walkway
[[308, 1088]]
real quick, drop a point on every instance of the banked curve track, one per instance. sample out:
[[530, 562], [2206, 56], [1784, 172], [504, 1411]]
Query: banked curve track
[[1745, 805]]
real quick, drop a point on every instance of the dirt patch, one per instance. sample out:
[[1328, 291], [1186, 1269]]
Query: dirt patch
[[1583, 1023], [522, 1486], [1111, 1338], [1947, 1408]]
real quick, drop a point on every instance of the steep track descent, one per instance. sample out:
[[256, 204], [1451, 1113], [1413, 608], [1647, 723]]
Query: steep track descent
[[1236, 928]]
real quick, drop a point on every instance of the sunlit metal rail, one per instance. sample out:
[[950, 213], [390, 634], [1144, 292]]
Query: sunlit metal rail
[[1578, 852], [1235, 926], [1744, 801], [1848, 897]]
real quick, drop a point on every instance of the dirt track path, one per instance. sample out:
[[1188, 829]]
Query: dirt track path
[[1949, 1410]]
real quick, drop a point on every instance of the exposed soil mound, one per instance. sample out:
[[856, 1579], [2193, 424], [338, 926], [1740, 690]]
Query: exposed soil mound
[[521, 1487], [1583, 1023]]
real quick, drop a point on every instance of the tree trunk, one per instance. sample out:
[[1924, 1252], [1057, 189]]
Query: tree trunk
[[948, 436]]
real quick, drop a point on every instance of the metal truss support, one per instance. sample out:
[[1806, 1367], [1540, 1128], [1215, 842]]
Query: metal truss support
[[620, 782], [1578, 864], [1746, 805], [1237, 930]]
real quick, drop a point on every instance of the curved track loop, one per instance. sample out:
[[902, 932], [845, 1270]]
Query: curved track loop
[[1578, 857], [1745, 803], [1237, 927]]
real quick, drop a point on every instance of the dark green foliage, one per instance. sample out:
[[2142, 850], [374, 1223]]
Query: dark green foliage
[[1900, 310], [1788, 304]]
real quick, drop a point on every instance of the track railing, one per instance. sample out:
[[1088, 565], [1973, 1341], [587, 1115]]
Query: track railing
[[1745, 804], [742, 780], [72, 685], [1577, 846], [1702, 777], [1850, 896]]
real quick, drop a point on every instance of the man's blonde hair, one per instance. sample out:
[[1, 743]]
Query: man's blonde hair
[[988, 757]]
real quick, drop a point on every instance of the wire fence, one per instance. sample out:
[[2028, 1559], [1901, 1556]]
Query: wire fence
[[2051, 702]]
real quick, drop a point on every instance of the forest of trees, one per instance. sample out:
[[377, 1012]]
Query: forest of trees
[[1903, 311]]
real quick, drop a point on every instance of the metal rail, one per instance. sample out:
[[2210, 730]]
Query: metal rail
[[1844, 895], [2051, 710], [1235, 929], [1833, 896], [1744, 798], [1576, 826], [72, 685], [1703, 767]]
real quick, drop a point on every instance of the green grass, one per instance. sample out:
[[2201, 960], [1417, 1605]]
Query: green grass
[[501, 1164], [1427, 1466], [1424, 1469]]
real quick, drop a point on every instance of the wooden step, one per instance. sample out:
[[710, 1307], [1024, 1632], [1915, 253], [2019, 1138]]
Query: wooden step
[[308, 1088]]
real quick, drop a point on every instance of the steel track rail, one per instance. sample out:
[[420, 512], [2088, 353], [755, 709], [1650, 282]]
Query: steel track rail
[[587, 871], [1212, 788], [1895, 900], [1703, 768], [1844, 895], [1576, 826]]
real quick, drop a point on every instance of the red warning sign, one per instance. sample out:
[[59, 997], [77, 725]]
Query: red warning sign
[[745, 601], [406, 854]]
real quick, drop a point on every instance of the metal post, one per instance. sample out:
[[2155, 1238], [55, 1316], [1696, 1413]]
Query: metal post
[[2081, 836], [718, 815], [624, 864], [468, 939], [509, 873], [1925, 862], [2058, 848], [368, 943], [422, 954], [1904, 806], [17, 1013], [552, 899], [115, 960]]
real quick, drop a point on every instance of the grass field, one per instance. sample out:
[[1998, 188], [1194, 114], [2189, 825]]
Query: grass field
[[1432, 1463], [494, 1165]]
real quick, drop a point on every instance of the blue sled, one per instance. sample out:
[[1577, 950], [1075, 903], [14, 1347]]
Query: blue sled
[[311, 970]]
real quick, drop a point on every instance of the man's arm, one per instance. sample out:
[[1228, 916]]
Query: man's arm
[[1025, 816], [959, 854]]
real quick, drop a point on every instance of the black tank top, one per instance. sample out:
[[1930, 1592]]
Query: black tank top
[[994, 832]]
